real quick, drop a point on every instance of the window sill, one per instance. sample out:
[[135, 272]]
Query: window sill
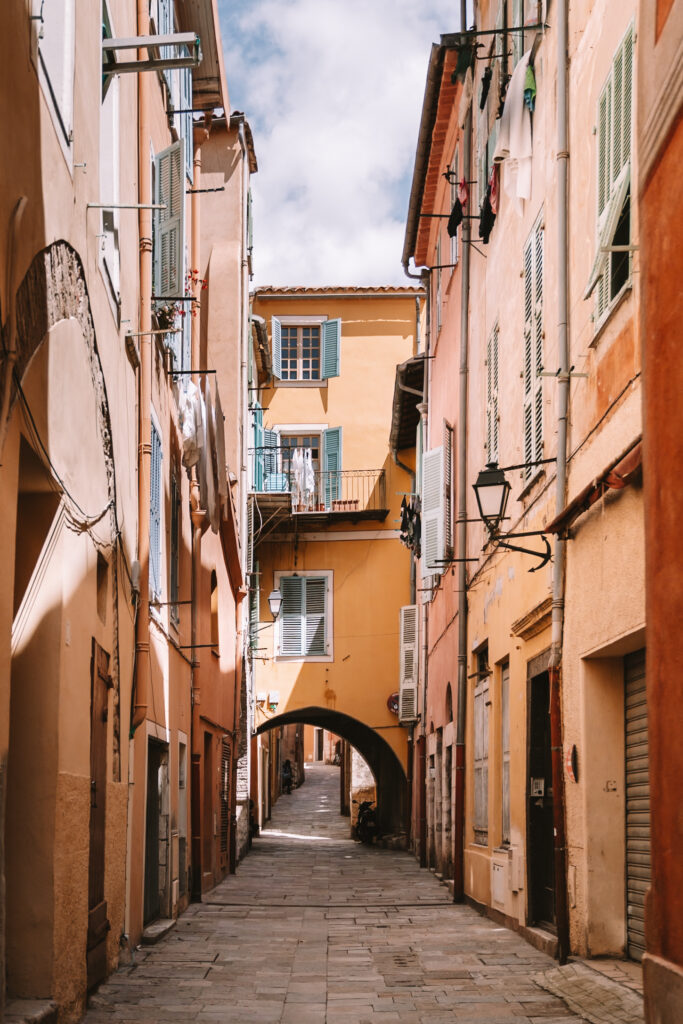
[[531, 483], [299, 383], [297, 659], [616, 304]]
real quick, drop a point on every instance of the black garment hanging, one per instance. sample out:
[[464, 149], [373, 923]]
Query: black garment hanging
[[455, 219], [487, 218], [485, 86]]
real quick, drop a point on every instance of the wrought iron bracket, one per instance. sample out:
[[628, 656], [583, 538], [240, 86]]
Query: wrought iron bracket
[[545, 556]]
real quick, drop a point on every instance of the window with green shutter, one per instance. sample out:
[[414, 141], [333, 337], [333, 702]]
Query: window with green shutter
[[611, 269], [533, 349], [303, 625], [332, 464], [306, 352]]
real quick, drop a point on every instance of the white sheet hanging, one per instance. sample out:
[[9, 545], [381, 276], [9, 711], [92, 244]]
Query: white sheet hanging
[[514, 138], [308, 479]]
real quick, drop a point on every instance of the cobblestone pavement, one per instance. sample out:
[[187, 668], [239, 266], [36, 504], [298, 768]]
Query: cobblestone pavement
[[315, 928]]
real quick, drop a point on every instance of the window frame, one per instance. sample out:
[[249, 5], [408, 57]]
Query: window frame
[[110, 180], [156, 594], [455, 256], [300, 328], [533, 259], [328, 576]]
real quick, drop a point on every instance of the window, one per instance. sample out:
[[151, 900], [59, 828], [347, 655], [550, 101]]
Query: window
[[166, 26], [481, 749], [174, 573], [492, 395], [305, 351], [304, 625], [155, 516], [169, 226], [611, 270], [109, 173], [524, 12], [54, 55], [276, 469], [505, 751], [437, 520], [454, 196], [186, 127], [438, 282], [533, 349], [214, 612]]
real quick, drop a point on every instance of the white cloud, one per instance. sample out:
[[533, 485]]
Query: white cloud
[[333, 90]]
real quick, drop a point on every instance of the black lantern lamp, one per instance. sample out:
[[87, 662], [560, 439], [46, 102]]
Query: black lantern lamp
[[492, 491], [275, 602]]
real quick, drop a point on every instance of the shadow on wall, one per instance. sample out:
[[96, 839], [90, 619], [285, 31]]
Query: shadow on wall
[[392, 790]]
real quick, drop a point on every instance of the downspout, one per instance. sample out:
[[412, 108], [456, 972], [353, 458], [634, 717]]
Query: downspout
[[555, 666], [142, 666], [461, 714], [423, 409]]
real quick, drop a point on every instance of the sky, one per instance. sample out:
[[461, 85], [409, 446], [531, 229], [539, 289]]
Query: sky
[[333, 92]]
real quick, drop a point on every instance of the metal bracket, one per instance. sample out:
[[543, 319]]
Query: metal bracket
[[544, 556], [110, 66]]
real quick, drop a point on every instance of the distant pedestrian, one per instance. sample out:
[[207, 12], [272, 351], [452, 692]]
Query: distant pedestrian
[[287, 776]]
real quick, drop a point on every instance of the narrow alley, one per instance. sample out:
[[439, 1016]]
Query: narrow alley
[[315, 927]]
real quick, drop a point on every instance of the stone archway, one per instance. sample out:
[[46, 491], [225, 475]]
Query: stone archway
[[392, 787]]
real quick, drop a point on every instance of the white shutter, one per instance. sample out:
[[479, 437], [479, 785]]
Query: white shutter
[[533, 349], [315, 638], [56, 42], [169, 243], [433, 541], [276, 345], [408, 653], [492, 395]]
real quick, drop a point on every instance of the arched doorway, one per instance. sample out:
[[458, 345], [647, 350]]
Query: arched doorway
[[390, 778]]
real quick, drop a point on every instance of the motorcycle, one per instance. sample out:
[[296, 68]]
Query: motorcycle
[[366, 825]]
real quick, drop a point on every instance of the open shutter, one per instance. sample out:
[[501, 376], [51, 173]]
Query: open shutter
[[169, 242], [276, 343], [538, 342], [528, 410], [331, 332], [257, 423], [272, 479], [332, 464], [408, 651], [492, 396], [448, 488], [292, 616], [315, 639], [433, 547], [155, 515]]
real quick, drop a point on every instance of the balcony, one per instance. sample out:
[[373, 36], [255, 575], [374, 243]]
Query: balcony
[[289, 498]]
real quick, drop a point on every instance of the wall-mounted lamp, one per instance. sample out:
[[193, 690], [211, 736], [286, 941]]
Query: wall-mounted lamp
[[275, 602], [492, 490]]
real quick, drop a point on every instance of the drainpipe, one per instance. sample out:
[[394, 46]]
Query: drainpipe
[[142, 666], [555, 667], [423, 408], [459, 809]]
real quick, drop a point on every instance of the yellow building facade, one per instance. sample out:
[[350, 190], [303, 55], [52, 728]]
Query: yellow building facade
[[325, 528]]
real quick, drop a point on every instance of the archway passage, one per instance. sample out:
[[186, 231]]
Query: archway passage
[[392, 789]]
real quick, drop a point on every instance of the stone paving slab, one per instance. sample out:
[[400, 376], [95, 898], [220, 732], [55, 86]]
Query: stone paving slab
[[599, 998], [315, 928]]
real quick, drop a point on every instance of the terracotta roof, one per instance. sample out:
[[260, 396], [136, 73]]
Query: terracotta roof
[[268, 290]]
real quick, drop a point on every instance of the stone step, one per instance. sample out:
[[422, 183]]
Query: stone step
[[157, 930], [30, 1011]]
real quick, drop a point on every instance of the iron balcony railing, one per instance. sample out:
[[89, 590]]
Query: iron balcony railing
[[274, 470]]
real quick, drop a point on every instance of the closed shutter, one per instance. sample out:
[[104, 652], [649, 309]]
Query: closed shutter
[[155, 516], [332, 464], [638, 869], [175, 548], [481, 762], [314, 634], [433, 544], [448, 489], [276, 344], [169, 241], [331, 338], [254, 604], [225, 792], [505, 747], [186, 129], [492, 395], [291, 616], [271, 480], [408, 654], [533, 349]]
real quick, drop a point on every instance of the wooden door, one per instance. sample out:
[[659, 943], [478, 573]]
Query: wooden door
[[152, 906], [98, 923], [540, 848]]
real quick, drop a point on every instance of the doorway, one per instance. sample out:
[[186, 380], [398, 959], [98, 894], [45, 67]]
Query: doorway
[[638, 868], [98, 923], [156, 832], [540, 848]]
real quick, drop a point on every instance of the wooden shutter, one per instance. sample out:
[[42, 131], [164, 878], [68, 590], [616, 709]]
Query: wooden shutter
[[533, 349], [169, 242], [408, 654], [433, 546], [447, 489], [186, 119], [332, 464], [315, 640], [276, 343], [226, 758], [254, 604], [257, 425], [249, 557], [155, 516], [638, 861], [331, 338], [292, 616], [492, 395], [175, 548], [481, 762], [270, 440], [505, 748]]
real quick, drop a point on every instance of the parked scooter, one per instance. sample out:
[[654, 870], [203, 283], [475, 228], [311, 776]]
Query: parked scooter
[[366, 826]]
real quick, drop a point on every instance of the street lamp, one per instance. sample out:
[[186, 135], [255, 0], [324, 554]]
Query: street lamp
[[275, 602], [492, 491]]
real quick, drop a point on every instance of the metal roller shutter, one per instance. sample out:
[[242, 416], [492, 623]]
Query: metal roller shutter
[[637, 803]]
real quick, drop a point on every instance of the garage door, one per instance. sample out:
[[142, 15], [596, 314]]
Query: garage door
[[637, 804]]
